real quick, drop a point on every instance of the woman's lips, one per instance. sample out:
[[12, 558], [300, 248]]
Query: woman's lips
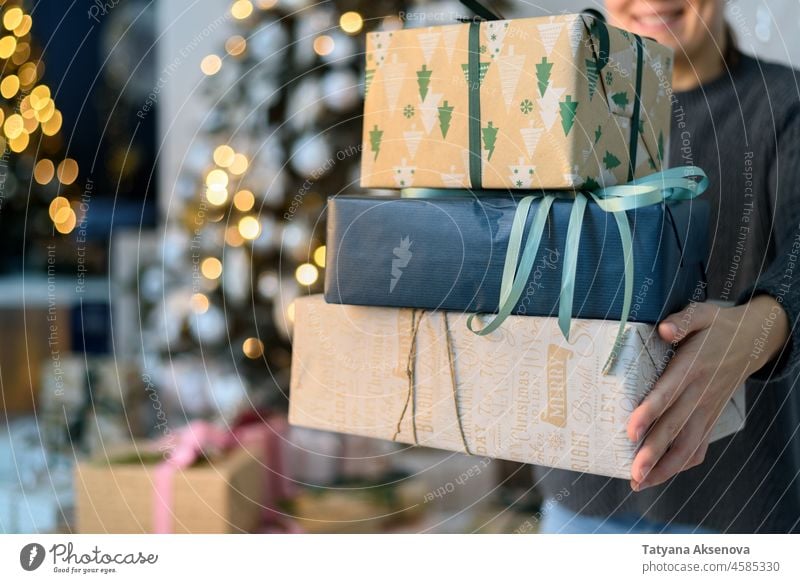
[[655, 22]]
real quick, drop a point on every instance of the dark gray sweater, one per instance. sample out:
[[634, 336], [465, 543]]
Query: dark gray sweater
[[743, 129]]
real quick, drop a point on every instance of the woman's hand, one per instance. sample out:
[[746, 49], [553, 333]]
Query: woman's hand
[[717, 349]]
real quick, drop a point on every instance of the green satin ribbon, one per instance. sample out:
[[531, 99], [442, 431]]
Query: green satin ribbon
[[682, 183]]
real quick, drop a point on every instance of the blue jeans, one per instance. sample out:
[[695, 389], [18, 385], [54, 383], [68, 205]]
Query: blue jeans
[[558, 519]]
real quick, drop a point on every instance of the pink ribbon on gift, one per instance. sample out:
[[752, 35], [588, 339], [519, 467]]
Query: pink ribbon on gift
[[197, 438]]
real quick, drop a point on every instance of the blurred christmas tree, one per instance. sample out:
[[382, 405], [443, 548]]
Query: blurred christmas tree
[[36, 180], [282, 132]]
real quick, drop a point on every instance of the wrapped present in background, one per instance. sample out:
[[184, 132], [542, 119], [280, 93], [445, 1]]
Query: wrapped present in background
[[555, 102], [449, 253], [201, 479], [522, 394]]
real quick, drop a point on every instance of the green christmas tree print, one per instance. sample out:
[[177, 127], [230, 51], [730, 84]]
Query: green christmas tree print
[[598, 133], [375, 136], [660, 146], [590, 184], [568, 110], [489, 139], [543, 70], [481, 71], [621, 99], [445, 115], [368, 77], [423, 81], [610, 160]]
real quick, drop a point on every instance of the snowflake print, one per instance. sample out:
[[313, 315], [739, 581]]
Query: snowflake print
[[556, 441], [408, 111], [526, 106], [609, 78]]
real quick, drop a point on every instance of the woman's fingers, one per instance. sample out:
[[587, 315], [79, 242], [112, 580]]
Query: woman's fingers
[[693, 318], [664, 432], [686, 451], [681, 371]]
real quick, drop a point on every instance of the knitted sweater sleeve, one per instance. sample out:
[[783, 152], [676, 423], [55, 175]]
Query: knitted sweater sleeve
[[781, 277]]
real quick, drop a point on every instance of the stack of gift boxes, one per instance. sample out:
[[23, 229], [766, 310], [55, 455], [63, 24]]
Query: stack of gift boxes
[[504, 303]]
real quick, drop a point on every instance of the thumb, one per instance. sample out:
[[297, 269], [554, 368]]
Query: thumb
[[693, 318]]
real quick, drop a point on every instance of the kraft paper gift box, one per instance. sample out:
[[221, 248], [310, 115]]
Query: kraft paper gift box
[[522, 393], [223, 495], [527, 103], [449, 253]]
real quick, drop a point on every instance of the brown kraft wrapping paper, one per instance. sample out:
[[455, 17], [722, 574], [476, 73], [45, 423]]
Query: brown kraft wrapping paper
[[522, 393], [553, 114]]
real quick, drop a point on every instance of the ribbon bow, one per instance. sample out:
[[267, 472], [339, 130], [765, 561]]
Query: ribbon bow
[[189, 445], [682, 183]]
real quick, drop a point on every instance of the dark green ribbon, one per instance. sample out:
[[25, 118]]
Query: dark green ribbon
[[634, 135], [474, 82], [682, 183]]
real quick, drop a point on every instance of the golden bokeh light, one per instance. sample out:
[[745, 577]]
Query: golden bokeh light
[[211, 268], [351, 22], [323, 45], [235, 45], [40, 96], [8, 44], [27, 74], [217, 196], [66, 226], [24, 26], [319, 255], [67, 171], [249, 228], [223, 155], [241, 9], [211, 64], [266, 4], [199, 303], [238, 164], [13, 18], [9, 86], [56, 205], [244, 200], [44, 171], [233, 237], [45, 113], [217, 179], [13, 126], [21, 54], [19, 143], [52, 126], [253, 348], [29, 124], [306, 274]]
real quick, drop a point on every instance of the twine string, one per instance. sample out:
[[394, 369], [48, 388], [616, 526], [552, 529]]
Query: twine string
[[411, 394]]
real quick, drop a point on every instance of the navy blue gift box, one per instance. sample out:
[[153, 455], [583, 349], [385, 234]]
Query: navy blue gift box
[[448, 253]]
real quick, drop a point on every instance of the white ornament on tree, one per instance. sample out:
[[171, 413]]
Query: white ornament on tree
[[311, 154], [341, 90]]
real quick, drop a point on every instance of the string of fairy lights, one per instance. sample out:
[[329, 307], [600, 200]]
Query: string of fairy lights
[[229, 168], [30, 120]]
